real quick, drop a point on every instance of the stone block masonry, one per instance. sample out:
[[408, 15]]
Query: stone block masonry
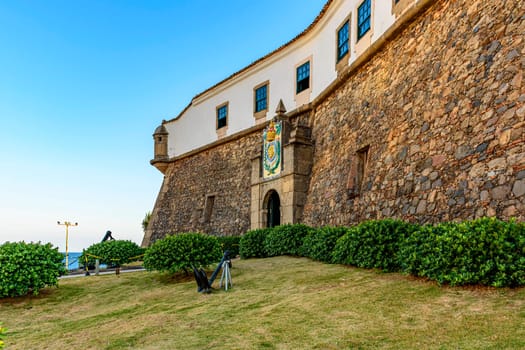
[[431, 128], [442, 110], [184, 202]]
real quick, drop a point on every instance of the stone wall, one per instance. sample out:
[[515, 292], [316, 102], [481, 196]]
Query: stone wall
[[292, 184], [442, 109], [431, 128], [223, 172]]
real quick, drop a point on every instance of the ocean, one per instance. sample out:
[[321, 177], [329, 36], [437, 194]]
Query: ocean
[[72, 260]]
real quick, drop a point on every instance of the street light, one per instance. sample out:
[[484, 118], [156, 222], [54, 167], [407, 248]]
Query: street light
[[67, 224]]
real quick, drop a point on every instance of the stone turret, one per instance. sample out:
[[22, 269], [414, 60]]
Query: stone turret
[[160, 137]]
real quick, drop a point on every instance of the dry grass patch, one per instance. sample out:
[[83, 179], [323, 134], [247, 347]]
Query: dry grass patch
[[277, 303]]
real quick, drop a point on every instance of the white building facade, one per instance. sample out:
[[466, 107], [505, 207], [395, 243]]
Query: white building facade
[[296, 73]]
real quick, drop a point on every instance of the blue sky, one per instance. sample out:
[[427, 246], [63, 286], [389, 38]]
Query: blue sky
[[83, 85]]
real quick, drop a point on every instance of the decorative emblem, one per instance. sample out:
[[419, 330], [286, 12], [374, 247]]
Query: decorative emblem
[[272, 150]]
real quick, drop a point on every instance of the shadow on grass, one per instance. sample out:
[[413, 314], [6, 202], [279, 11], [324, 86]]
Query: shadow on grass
[[43, 295], [171, 278]]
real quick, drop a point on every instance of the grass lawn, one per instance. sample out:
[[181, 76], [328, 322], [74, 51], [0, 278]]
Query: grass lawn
[[277, 303]]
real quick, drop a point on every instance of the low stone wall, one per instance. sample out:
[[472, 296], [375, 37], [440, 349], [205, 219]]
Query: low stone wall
[[442, 110]]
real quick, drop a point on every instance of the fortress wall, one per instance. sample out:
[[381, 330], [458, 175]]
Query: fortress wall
[[431, 128], [442, 110], [184, 202]]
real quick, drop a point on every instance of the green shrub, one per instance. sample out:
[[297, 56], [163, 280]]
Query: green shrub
[[286, 239], [114, 252], [28, 267], [2, 336], [426, 253], [373, 244], [182, 252], [495, 252], [252, 243], [320, 243], [230, 243], [485, 251]]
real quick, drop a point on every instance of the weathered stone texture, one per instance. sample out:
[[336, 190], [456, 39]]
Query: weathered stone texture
[[438, 113], [224, 172], [442, 109]]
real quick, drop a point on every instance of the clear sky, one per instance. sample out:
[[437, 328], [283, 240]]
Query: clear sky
[[83, 85]]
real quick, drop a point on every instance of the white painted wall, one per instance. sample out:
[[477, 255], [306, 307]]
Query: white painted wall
[[279, 69]]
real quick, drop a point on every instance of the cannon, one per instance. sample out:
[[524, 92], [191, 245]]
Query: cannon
[[108, 236]]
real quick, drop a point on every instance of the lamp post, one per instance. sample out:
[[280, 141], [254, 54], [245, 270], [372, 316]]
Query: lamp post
[[67, 224]]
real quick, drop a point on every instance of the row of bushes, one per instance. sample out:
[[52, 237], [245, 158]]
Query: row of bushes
[[485, 251], [178, 250], [28, 267]]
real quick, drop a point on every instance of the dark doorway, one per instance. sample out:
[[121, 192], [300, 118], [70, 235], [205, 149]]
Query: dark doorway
[[274, 210]]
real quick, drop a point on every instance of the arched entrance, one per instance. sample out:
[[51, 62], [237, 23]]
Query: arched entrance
[[273, 210]]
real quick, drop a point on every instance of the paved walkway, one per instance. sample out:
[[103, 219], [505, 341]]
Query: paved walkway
[[105, 272]]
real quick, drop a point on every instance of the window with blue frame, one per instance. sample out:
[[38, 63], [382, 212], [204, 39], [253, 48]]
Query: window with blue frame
[[261, 98], [303, 77], [222, 116], [364, 16], [342, 41]]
